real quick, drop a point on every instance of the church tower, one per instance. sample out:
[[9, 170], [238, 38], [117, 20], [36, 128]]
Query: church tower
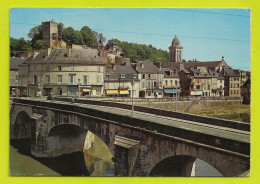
[[175, 50]]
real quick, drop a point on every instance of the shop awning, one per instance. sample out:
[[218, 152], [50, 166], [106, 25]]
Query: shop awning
[[112, 91], [124, 92], [172, 90], [86, 90]]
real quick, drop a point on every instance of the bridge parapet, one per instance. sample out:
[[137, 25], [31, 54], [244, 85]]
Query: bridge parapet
[[180, 115]]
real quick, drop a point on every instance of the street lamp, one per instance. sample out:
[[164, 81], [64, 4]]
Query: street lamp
[[176, 82], [17, 82], [133, 77], [79, 87], [41, 89]]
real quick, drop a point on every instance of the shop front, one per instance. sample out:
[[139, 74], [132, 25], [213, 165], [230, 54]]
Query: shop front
[[72, 91], [111, 92], [196, 93], [171, 92]]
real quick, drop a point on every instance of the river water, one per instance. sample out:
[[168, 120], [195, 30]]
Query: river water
[[96, 161]]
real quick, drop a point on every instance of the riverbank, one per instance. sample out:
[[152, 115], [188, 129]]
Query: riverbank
[[230, 112]]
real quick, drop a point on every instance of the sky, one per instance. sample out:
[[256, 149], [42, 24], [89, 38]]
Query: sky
[[205, 34]]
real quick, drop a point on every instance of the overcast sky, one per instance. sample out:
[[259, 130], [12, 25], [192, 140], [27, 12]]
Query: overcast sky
[[205, 34]]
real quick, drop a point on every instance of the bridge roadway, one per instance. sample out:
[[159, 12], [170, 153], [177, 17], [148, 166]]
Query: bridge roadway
[[224, 132]]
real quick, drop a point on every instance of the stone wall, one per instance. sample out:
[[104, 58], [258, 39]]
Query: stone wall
[[182, 106]]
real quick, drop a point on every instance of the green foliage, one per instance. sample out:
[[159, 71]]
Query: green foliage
[[142, 52], [60, 26], [39, 45], [35, 34], [88, 36], [18, 45]]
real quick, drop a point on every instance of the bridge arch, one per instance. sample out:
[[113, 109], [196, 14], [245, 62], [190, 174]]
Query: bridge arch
[[69, 138], [178, 165], [22, 126]]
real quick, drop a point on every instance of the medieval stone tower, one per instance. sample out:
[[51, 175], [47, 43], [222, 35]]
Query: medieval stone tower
[[50, 33], [175, 50]]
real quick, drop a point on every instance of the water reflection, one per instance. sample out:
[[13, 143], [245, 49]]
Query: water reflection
[[96, 161]]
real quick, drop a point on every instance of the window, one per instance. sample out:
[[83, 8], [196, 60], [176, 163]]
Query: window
[[85, 79], [34, 68], [122, 76], [98, 79], [148, 85], [98, 68], [47, 68], [238, 85], [23, 81], [149, 93], [58, 68], [231, 92], [98, 92], [72, 79], [238, 92], [59, 79], [220, 86], [171, 83], [143, 76], [231, 85], [134, 76], [108, 76], [60, 91], [34, 79], [143, 84], [149, 76], [166, 83], [47, 79]]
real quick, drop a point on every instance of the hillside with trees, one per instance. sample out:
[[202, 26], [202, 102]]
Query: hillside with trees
[[142, 51], [86, 36]]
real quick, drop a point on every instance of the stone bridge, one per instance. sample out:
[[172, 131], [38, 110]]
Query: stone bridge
[[152, 142]]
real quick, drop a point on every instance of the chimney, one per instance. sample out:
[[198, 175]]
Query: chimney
[[158, 64], [134, 65], [222, 58], [47, 51], [68, 53], [142, 65], [35, 53]]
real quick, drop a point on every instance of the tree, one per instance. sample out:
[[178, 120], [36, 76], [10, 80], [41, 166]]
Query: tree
[[60, 26], [39, 45], [88, 36], [69, 35], [13, 44], [22, 45], [78, 38], [35, 34]]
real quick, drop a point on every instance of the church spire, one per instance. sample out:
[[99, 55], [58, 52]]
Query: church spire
[[175, 50]]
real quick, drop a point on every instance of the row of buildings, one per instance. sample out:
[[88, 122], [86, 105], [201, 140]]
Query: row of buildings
[[72, 70]]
